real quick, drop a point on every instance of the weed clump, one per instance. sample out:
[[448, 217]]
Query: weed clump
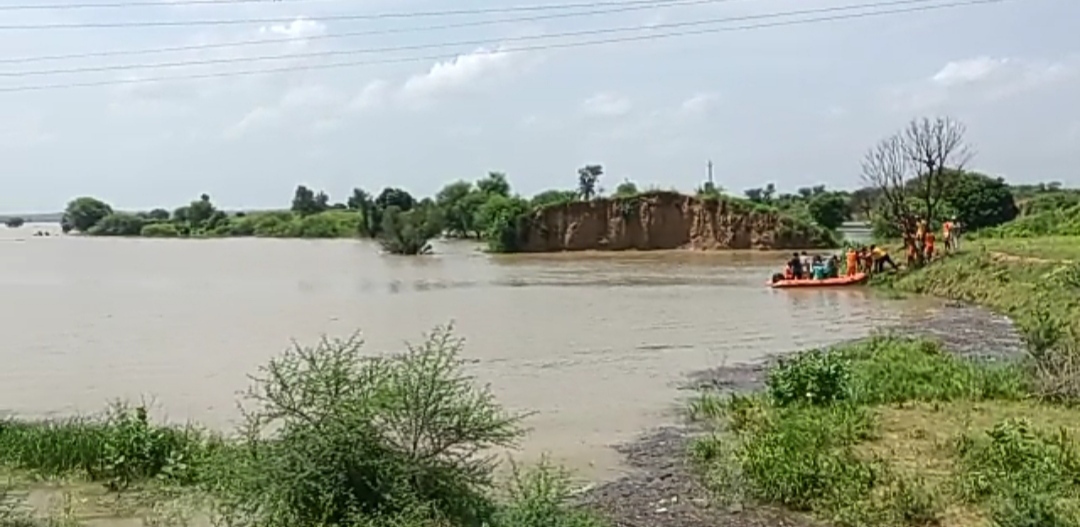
[[118, 448], [1026, 476]]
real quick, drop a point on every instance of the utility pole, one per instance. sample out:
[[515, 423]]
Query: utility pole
[[710, 172]]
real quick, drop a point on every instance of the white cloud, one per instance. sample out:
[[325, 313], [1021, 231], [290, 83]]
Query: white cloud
[[699, 103], [981, 79], [607, 104], [309, 95], [299, 106], [462, 73], [372, 96]]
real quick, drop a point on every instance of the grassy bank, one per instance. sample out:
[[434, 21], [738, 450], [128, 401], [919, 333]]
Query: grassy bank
[[331, 438], [899, 432], [896, 432]]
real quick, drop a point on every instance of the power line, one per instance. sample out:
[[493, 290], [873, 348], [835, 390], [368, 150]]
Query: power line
[[481, 42], [335, 17], [221, 3], [155, 3], [640, 5], [597, 42]]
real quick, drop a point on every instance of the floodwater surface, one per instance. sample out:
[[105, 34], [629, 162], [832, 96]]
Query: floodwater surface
[[596, 344]]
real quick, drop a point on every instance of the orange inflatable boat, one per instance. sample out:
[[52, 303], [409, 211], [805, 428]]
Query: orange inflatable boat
[[855, 279]]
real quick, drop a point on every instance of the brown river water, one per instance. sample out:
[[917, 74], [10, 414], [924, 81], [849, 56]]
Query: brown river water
[[596, 344]]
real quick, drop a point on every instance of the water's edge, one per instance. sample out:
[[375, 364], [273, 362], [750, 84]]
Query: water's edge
[[663, 488]]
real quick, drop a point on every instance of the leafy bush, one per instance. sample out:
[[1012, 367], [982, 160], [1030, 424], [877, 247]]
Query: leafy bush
[[409, 233], [502, 219], [538, 497], [1028, 477], [814, 377], [159, 230], [118, 224], [335, 437]]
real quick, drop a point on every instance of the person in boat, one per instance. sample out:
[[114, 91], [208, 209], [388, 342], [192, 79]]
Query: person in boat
[[831, 264], [852, 262], [880, 257], [818, 269], [795, 264], [807, 264]]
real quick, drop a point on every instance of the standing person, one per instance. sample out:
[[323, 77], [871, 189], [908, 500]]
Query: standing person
[[807, 264], [795, 264], [910, 251], [928, 246], [852, 262]]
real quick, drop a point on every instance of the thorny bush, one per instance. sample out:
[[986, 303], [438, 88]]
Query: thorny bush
[[333, 437]]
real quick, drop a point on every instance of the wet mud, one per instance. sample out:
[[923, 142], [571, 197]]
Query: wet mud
[[662, 488]]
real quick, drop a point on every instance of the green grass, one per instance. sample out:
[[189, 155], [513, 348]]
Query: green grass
[[1048, 249], [894, 431]]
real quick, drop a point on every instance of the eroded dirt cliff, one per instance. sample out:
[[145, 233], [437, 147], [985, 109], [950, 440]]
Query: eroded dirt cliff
[[664, 220]]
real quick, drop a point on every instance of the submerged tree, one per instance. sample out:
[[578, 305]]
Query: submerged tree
[[14, 222]]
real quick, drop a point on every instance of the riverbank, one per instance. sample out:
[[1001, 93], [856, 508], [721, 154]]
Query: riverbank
[[668, 486], [976, 430]]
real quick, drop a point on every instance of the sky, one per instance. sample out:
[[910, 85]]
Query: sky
[[795, 105]]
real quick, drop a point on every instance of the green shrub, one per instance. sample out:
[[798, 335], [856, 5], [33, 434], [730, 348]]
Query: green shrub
[[1029, 477], [159, 230], [538, 497], [118, 224], [336, 436], [815, 377], [502, 219], [409, 233]]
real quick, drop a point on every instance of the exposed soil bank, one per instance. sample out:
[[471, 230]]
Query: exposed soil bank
[[665, 220], [664, 491]]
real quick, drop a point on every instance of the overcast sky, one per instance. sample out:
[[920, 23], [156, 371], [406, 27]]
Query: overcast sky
[[795, 105]]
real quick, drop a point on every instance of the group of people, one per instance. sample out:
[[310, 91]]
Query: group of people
[[864, 259], [922, 243], [869, 259]]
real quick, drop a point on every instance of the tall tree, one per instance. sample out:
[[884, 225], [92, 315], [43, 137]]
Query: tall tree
[[83, 213], [588, 178]]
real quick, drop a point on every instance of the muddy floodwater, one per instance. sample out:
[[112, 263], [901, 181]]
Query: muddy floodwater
[[596, 344]]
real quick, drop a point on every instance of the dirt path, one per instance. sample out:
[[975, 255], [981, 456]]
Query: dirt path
[[664, 491]]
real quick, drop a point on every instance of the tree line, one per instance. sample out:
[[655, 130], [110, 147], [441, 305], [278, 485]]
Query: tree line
[[486, 209], [917, 173]]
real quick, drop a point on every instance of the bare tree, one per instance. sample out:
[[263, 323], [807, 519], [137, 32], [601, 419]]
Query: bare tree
[[934, 147], [915, 163], [887, 169]]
